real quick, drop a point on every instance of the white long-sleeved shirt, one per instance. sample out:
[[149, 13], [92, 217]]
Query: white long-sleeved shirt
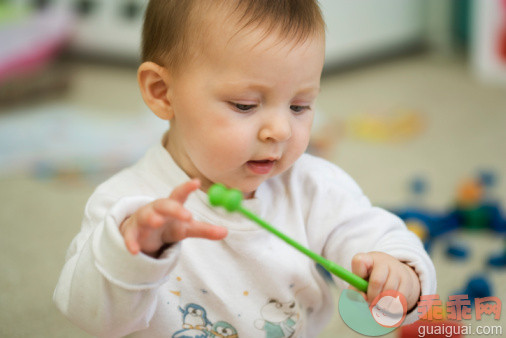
[[251, 283]]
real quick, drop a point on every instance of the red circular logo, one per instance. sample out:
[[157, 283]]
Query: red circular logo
[[389, 308]]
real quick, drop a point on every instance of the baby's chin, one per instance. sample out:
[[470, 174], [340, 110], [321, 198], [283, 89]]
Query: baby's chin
[[248, 187], [249, 190], [246, 181]]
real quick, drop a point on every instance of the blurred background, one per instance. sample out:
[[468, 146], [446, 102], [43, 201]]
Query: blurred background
[[413, 106]]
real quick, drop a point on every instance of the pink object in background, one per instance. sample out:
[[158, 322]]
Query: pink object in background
[[501, 37], [32, 42], [488, 42]]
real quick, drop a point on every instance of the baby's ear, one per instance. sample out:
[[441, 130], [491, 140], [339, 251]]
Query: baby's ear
[[154, 82]]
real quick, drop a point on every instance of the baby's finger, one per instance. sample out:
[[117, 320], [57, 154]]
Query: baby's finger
[[405, 289], [392, 282], [130, 235], [171, 208], [147, 217], [205, 230], [410, 292], [377, 280], [180, 193], [361, 265]]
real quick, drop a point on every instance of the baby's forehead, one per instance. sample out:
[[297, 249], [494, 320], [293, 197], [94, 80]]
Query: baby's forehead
[[232, 37]]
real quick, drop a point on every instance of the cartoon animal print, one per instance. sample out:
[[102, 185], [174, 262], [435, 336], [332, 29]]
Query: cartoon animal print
[[195, 322], [279, 319], [223, 329]]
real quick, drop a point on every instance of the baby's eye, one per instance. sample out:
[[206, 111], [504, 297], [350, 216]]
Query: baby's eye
[[299, 109], [243, 107]]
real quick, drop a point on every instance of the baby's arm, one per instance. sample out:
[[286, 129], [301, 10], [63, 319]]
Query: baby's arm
[[165, 221], [341, 223], [395, 257], [103, 288]]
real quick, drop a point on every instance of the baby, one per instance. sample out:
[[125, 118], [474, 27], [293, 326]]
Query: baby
[[237, 79]]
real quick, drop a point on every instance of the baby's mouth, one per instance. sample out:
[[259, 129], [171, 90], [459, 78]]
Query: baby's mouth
[[261, 167]]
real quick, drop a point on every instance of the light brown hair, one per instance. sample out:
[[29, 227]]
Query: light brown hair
[[172, 27]]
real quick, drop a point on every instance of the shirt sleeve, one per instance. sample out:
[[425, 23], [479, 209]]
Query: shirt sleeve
[[342, 222], [103, 288]]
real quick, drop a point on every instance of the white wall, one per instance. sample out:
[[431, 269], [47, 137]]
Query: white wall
[[356, 28]]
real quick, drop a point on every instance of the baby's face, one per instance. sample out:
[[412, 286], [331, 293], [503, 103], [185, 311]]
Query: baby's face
[[243, 110]]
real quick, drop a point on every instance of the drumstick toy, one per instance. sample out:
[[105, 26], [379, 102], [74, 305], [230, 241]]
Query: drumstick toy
[[231, 200]]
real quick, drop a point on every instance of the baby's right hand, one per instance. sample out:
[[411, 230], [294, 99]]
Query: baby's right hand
[[166, 221]]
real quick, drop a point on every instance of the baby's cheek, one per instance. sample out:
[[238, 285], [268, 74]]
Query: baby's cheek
[[226, 153], [295, 150]]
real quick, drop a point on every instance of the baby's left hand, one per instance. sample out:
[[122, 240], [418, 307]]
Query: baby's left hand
[[385, 272]]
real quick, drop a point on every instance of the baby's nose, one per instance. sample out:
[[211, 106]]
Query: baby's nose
[[276, 128]]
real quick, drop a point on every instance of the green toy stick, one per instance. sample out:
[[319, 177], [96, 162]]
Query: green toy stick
[[231, 200]]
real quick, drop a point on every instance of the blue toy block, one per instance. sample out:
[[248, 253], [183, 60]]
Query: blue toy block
[[498, 260], [436, 223], [457, 250], [497, 222], [418, 185], [478, 286], [487, 178]]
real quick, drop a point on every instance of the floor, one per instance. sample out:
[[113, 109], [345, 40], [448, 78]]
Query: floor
[[422, 115]]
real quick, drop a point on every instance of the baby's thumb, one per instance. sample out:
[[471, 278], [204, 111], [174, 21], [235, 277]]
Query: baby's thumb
[[361, 265]]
